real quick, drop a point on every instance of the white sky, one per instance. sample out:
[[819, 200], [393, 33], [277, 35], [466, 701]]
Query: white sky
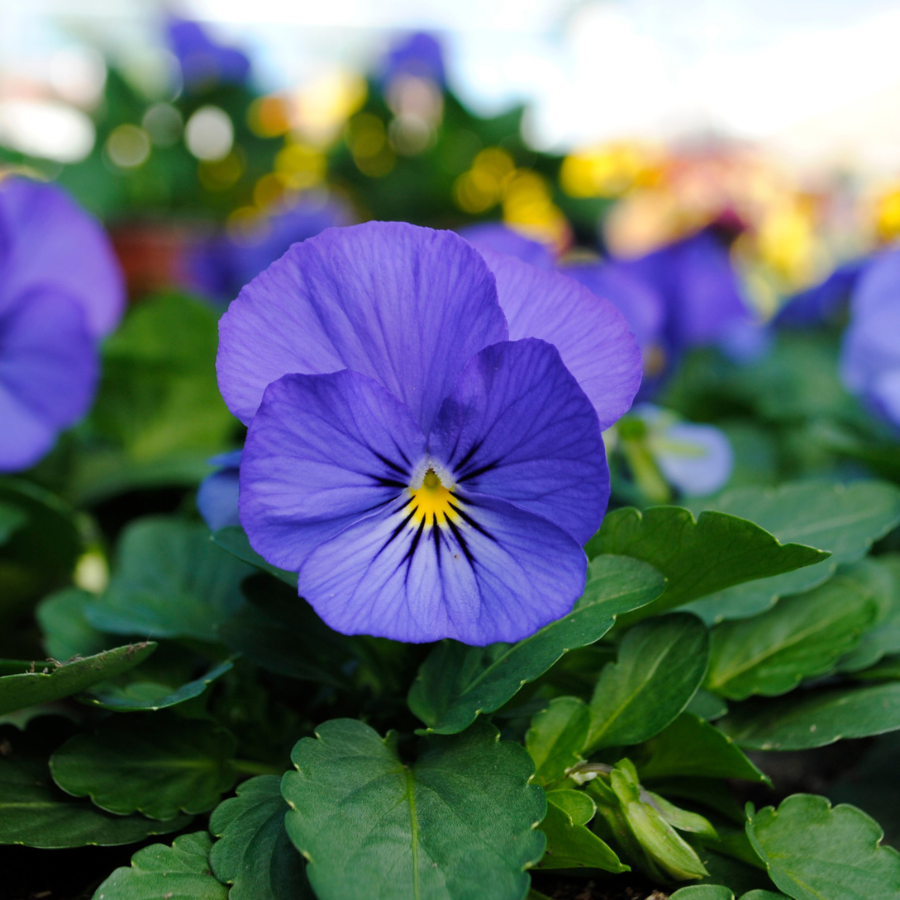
[[589, 69]]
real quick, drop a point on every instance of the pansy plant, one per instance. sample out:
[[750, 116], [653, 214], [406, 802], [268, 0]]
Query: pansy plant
[[424, 430]]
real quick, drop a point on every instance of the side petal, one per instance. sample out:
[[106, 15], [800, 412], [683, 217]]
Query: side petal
[[500, 576], [403, 305], [56, 245], [591, 335], [518, 426], [48, 374], [322, 452]]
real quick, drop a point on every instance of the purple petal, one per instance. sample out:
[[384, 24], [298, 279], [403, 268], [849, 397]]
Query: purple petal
[[871, 346], [886, 394], [517, 426], [217, 496], [501, 239], [638, 302], [322, 452], [698, 285], [55, 245], [696, 459], [591, 335], [499, 578], [403, 305], [48, 372], [878, 285]]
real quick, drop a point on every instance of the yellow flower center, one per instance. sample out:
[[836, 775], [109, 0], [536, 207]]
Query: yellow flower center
[[432, 503]]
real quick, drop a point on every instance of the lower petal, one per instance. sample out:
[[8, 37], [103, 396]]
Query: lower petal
[[496, 573]]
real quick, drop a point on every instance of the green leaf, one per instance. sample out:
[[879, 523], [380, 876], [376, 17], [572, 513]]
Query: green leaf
[[156, 766], [254, 852], [458, 823], [281, 632], [693, 747], [698, 557], [842, 518], [11, 520], [803, 636], [53, 681], [63, 620], [142, 695], [457, 682], [570, 845], [36, 813], [814, 851], [234, 540], [707, 705], [884, 638], [661, 664], [40, 554], [873, 784], [762, 895], [815, 719], [179, 872], [703, 892], [159, 394], [171, 581], [556, 738]]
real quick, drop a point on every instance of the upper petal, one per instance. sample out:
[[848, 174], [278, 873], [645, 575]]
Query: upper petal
[[499, 575], [591, 335], [518, 426], [53, 244], [403, 305], [322, 452]]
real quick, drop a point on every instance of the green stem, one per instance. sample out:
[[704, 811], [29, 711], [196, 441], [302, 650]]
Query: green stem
[[249, 767]]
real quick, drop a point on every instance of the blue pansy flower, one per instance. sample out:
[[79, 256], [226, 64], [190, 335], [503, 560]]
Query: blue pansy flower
[[423, 442], [221, 265], [870, 354], [61, 290], [697, 460], [419, 55], [217, 496], [204, 62], [822, 301], [700, 290]]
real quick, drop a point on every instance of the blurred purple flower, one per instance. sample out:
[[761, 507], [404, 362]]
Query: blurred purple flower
[[870, 355], [424, 444], [217, 496], [204, 62], [502, 239], [695, 459], [60, 291], [220, 266], [822, 301], [419, 55], [699, 288]]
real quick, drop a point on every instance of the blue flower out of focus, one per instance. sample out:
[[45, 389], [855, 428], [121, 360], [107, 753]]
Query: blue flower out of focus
[[61, 290], [423, 440], [419, 55], [870, 356], [695, 459], [220, 266], [204, 62]]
